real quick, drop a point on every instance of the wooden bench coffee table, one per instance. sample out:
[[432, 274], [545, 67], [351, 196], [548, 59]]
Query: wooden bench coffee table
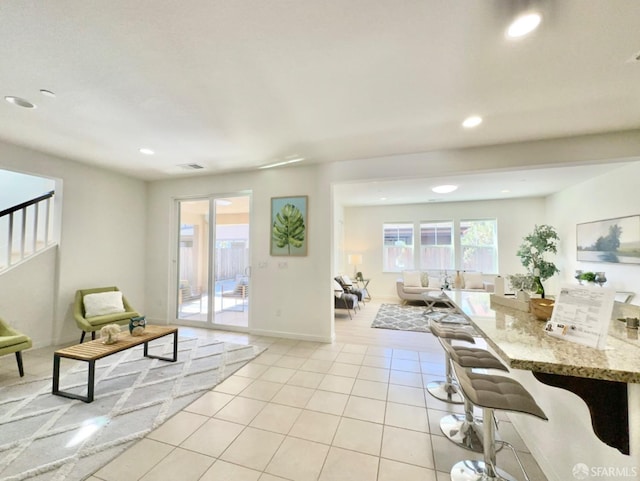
[[93, 350]]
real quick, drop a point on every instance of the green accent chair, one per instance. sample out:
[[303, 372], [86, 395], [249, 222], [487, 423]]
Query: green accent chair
[[13, 341], [96, 323]]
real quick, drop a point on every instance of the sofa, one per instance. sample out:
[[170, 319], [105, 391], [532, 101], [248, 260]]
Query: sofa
[[413, 284]]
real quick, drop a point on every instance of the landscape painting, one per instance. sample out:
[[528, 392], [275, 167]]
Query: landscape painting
[[289, 226], [612, 240]]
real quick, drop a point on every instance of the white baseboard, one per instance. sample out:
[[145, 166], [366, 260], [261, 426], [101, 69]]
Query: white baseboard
[[292, 335]]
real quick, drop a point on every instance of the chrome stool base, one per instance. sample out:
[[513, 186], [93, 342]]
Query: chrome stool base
[[473, 470], [458, 430], [444, 391], [467, 435]]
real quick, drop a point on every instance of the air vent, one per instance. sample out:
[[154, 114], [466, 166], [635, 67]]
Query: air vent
[[191, 166]]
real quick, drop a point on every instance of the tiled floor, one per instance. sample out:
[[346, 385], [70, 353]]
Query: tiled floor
[[303, 411]]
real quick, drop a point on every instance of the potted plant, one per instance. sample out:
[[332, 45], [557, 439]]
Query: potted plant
[[587, 276], [522, 284], [543, 240]]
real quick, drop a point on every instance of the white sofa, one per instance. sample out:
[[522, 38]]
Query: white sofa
[[413, 284]]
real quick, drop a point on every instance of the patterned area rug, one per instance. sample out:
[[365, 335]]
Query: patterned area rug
[[406, 317], [403, 317], [50, 438]]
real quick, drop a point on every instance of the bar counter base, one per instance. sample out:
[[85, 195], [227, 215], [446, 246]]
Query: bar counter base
[[607, 402]]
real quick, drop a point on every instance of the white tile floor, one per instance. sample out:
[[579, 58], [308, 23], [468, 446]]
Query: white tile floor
[[302, 411]]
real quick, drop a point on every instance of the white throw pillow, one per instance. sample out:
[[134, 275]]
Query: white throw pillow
[[435, 282], [347, 280], [337, 289], [411, 279], [473, 280], [103, 303]]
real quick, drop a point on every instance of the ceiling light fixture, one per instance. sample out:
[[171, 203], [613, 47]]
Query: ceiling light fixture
[[472, 121], [444, 189], [20, 102], [524, 24], [277, 164], [223, 202], [146, 151], [48, 93]]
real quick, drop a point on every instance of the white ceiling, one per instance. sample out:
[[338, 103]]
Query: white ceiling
[[471, 187], [235, 84]]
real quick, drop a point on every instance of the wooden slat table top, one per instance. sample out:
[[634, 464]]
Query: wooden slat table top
[[93, 350]]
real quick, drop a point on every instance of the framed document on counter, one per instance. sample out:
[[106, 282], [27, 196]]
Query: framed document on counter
[[582, 314]]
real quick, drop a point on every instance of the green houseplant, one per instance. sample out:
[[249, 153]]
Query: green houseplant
[[543, 240], [587, 276]]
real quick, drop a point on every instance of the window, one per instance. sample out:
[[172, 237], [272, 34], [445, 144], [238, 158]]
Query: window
[[479, 244], [397, 247], [436, 245]]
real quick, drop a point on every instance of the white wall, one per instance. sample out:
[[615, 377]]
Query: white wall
[[612, 195], [363, 232], [16, 187], [290, 296], [102, 242], [28, 297]]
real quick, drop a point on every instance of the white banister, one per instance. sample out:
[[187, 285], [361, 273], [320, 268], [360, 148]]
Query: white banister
[[30, 228]]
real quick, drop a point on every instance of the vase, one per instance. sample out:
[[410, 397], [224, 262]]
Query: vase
[[457, 282], [600, 278], [537, 283]]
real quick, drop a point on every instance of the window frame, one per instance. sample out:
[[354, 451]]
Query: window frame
[[494, 247], [451, 245], [401, 264]]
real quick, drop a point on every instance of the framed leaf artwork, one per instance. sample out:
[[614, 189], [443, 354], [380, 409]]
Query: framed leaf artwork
[[289, 226]]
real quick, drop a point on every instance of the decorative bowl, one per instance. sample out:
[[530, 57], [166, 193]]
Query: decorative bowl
[[541, 308]]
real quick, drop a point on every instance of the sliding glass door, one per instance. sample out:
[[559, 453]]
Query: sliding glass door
[[213, 269]]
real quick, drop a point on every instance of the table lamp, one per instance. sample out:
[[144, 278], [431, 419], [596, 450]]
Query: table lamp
[[354, 260]]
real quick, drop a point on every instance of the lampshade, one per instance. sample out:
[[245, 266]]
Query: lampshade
[[354, 259]]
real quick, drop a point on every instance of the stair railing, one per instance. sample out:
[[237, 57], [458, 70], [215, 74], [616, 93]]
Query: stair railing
[[40, 204]]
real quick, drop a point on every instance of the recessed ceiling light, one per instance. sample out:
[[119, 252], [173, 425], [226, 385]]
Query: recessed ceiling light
[[48, 93], [383, 198], [505, 191], [444, 189], [20, 102], [223, 202], [524, 24], [472, 121], [146, 151]]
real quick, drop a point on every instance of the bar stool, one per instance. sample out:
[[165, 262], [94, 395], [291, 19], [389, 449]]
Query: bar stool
[[490, 393], [447, 390], [466, 430]]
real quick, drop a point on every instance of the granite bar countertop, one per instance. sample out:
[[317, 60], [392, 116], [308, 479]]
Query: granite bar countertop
[[520, 339]]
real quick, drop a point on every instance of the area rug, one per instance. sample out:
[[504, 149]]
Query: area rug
[[406, 317], [50, 438]]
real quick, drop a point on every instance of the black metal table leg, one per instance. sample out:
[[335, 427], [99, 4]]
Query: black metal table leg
[[91, 381], [174, 358], [91, 377], [56, 374]]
